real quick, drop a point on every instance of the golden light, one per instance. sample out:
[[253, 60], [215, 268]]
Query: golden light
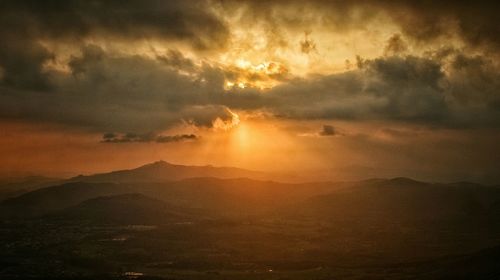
[[262, 75], [228, 85], [252, 143], [220, 124], [243, 64]]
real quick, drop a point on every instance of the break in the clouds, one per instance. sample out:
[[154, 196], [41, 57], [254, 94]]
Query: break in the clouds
[[58, 62]]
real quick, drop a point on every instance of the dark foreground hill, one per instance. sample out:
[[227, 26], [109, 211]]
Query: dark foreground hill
[[46, 200], [405, 200], [124, 209], [209, 228], [224, 196]]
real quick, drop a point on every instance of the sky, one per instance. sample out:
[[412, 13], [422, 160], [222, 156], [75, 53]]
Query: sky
[[335, 89]]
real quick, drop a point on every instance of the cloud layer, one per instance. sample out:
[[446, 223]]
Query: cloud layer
[[102, 89]]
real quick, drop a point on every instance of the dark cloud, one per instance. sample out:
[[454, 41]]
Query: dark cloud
[[114, 92], [410, 89], [192, 21], [307, 45], [177, 60], [328, 130], [395, 45], [25, 24], [146, 138], [90, 53], [475, 22], [397, 88], [21, 64], [107, 92], [175, 138]]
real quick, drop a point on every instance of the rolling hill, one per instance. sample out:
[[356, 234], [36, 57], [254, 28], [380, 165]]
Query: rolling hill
[[125, 209], [12, 187], [46, 200], [218, 196], [403, 199]]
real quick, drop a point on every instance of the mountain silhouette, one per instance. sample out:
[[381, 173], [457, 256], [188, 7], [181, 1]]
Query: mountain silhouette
[[162, 171]]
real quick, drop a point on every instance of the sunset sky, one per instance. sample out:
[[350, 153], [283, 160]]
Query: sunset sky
[[342, 89]]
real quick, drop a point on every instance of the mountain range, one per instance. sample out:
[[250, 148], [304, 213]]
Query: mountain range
[[162, 171], [162, 217]]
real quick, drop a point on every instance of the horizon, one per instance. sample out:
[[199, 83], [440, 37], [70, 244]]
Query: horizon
[[272, 176]]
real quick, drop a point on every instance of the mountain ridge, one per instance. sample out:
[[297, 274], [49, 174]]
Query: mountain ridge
[[162, 171]]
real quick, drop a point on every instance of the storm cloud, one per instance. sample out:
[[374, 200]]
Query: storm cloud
[[461, 93], [25, 25], [424, 21], [133, 93], [105, 90]]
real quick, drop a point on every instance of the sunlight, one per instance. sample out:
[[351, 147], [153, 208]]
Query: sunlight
[[262, 75], [253, 144]]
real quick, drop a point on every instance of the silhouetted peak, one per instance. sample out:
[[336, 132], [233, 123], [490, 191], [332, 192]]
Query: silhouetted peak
[[161, 162], [156, 164]]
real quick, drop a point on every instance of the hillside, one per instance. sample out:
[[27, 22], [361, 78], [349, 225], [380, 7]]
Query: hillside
[[222, 196], [46, 200], [11, 187], [126, 209], [378, 228], [405, 199]]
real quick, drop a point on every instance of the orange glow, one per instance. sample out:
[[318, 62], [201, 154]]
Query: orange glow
[[262, 75], [220, 124], [254, 144]]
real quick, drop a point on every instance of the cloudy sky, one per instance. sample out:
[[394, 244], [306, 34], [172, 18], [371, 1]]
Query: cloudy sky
[[353, 89]]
